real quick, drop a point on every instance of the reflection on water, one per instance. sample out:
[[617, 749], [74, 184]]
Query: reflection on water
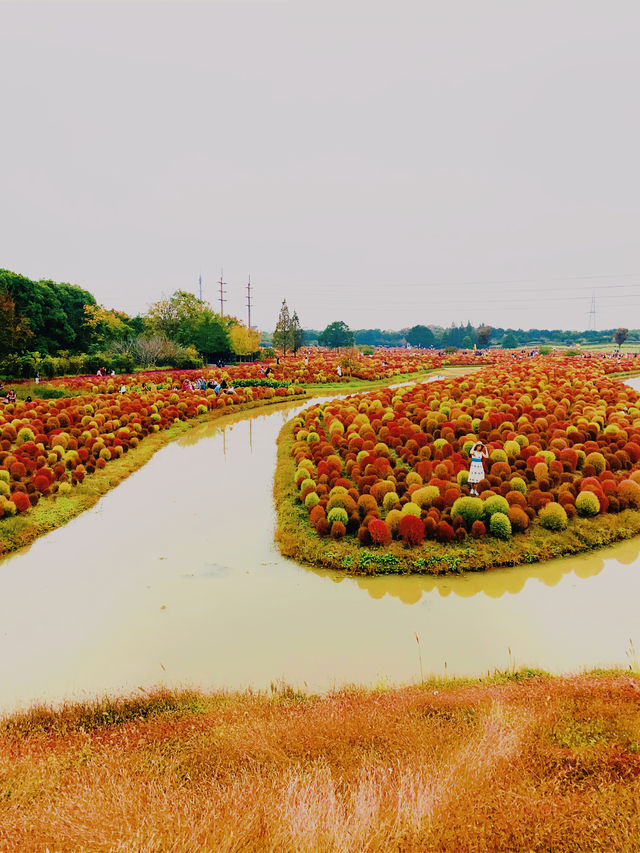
[[409, 589], [174, 578]]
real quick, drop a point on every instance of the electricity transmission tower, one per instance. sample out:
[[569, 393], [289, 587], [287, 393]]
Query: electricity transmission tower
[[222, 292], [249, 302], [592, 314]]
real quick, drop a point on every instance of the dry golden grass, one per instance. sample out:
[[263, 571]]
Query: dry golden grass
[[537, 763]]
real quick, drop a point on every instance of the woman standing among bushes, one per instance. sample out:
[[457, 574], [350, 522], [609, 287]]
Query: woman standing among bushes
[[476, 471]]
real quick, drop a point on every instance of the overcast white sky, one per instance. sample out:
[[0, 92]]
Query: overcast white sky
[[385, 164]]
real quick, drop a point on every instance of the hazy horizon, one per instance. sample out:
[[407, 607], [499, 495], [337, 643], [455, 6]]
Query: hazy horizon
[[382, 165]]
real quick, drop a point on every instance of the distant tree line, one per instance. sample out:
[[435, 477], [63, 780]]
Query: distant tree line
[[466, 336]]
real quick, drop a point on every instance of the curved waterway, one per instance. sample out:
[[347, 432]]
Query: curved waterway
[[173, 578]]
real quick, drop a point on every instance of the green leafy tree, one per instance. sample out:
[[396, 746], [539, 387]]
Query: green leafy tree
[[15, 331], [55, 312], [483, 335], [620, 335], [420, 336], [297, 333], [283, 337], [336, 335], [509, 341]]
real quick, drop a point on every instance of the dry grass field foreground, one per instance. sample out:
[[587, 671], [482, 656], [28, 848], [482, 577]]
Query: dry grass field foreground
[[517, 762]]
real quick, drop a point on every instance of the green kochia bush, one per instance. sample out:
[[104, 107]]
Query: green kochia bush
[[470, 509], [496, 503], [587, 504], [338, 513], [518, 485], [553, 517], [500, 526]]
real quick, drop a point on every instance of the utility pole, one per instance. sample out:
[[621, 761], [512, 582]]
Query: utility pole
[[249, 302], [222, 292], [592, 313], [200, 285]]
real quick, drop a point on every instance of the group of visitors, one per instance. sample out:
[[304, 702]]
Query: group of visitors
[[102, 371], [8, 396], [201, 385]]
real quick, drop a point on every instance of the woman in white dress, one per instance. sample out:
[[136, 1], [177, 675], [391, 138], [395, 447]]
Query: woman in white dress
[[476, 471]]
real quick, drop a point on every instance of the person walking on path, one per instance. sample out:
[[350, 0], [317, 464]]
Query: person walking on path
[[476, 471]]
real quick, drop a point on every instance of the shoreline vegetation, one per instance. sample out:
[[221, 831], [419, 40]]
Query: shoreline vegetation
[[298, 540], [518, 761]]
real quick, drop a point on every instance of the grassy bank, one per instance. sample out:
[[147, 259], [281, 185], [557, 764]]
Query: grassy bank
[[518, 762], [355, 386], [52, 512], [297, 539]]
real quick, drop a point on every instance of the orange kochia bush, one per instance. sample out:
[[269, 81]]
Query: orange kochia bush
[[49, 442], [552, 428]]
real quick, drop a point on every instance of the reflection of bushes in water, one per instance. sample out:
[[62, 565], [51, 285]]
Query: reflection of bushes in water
[[494, 583]]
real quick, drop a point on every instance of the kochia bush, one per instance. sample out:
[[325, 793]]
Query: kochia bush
[[499, 525], [553, 516], [587, 504]]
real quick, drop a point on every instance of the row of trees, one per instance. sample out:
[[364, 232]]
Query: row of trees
[[466, 336], [42, 320]]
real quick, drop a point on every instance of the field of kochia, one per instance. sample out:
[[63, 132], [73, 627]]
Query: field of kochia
[[384, 469], [563, 441]]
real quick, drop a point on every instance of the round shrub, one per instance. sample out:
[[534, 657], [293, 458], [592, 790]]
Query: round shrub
[[499, 525], [587, 504], [393, 520], [444, 531], [496, 503], [21, 501], [390, 500], [518, 485], [379, 532], [364, 537], [411, 530], [317, 514], [463, 477], [515, 498], [366, 503], [518, 518], [307, 483], [469, 509], [478, 529], [338, 513], [597, 460], [311, 500], [553, 516], [630, 490], [25, 434], [322, 527], [338, 530], [512, 448], [411, 509], [425, 496]]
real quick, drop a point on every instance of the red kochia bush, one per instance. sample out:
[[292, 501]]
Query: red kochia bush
[[411, 529], [444, 531], [478, 529], [379, 531], [21, 501]]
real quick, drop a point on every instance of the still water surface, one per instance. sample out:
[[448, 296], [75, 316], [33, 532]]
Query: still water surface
[[174, 578]]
